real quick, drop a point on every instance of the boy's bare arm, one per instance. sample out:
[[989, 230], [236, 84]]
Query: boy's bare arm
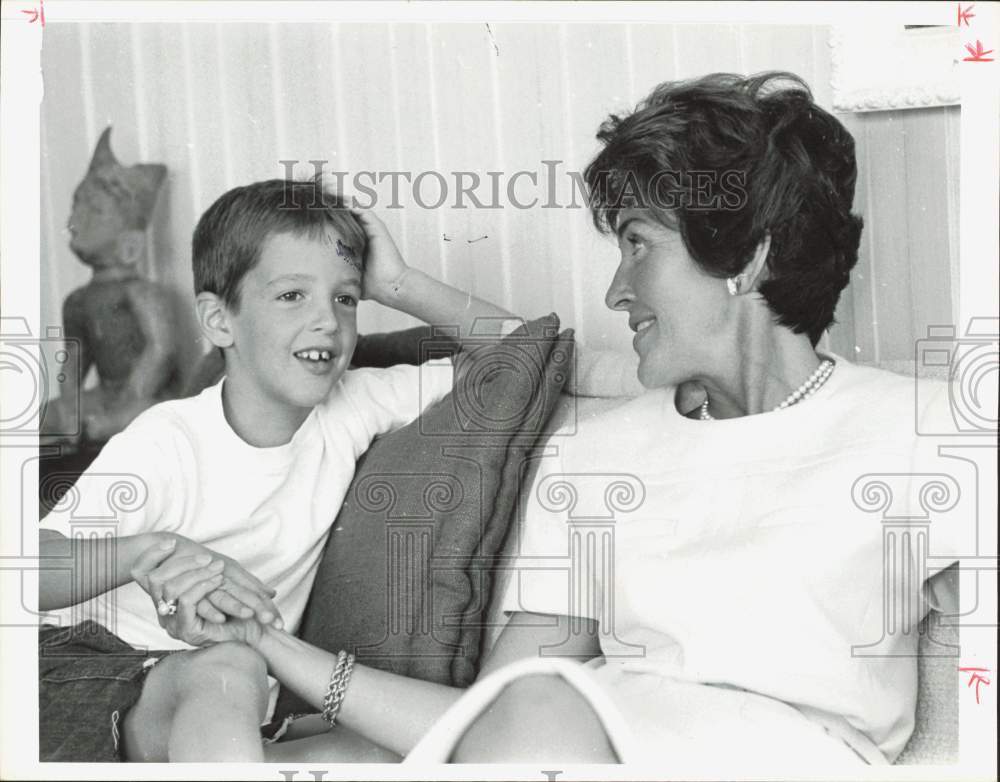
[[440, 304], [75, 570], [389, 281]]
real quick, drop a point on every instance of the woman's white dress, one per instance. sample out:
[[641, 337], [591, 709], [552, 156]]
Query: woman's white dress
[[758, 605]]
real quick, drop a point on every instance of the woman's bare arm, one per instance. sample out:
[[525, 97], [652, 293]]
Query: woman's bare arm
[[391, 710], [395, 711]]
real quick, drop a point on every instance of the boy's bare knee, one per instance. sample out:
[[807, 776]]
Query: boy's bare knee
[[143, 735], [203, 670], [230, 656], [226, 670], [230, 676]]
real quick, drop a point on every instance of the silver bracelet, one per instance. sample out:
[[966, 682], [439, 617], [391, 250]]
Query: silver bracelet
[[337, 687]]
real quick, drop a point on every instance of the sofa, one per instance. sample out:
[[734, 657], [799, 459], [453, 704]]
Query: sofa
[[433, 612], [432, 609]]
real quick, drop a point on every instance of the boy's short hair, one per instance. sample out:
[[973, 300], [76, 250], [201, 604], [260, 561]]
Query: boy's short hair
[[229, 237]]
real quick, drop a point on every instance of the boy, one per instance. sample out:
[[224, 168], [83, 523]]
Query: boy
[[243, 480]]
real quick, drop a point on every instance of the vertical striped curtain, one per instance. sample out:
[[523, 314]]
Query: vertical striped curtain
[[224, 104]]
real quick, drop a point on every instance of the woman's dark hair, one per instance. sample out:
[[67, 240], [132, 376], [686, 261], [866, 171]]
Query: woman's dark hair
[[726, 159], [229, 237]]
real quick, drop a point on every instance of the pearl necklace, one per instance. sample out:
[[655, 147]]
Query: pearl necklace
[[813, 383]]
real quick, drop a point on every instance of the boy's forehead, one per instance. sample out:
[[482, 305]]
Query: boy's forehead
[[345, 251], [285, 253]]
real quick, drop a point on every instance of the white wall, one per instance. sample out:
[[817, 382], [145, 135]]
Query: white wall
[[221, 104]]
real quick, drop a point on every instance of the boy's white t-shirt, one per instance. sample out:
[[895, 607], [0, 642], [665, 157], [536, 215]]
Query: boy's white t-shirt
[[179, 467], [750, 553]]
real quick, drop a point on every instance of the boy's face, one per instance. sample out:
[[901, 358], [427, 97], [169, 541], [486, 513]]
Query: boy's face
[[296, 327]]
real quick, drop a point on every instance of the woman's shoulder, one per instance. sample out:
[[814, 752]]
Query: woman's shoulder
[[886, 408], [596, 428], [873, 377], [898, 386]]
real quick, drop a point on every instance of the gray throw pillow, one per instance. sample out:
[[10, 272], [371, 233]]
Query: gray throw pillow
[[407, 573]]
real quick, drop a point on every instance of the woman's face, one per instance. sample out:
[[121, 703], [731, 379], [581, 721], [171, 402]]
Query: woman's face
[[680, 313]]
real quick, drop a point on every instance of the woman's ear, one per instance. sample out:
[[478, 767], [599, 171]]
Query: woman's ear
[[753, 270], [213, 318]]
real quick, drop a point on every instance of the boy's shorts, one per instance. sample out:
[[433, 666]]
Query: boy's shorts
[[88, 679]]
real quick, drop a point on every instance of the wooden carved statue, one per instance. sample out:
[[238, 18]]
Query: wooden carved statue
[[125, 325]]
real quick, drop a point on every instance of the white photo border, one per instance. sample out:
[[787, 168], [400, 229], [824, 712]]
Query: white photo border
[[21, 87]]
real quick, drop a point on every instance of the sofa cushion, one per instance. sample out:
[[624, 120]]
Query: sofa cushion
[[406, 576], [935, 731]]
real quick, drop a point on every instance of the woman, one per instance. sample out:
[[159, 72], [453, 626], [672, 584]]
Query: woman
[[747, 584]]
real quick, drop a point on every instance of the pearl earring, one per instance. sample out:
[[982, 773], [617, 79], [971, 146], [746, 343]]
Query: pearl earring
[[733, 284]]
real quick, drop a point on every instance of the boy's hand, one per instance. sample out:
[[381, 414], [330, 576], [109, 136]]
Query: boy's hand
[[384, 266], [188, 582], [240, 596]]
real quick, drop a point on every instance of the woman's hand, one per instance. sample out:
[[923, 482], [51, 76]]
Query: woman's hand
[[187, 581], [241, 595], [384, 266]]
